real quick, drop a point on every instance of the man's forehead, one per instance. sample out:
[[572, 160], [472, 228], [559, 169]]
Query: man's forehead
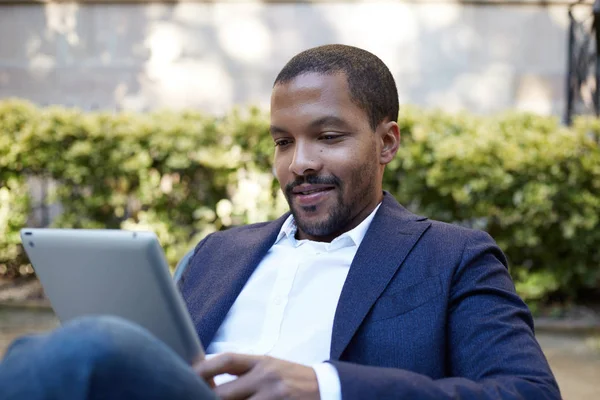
[[314, 100], [318, 90], [316, 122], [312, 80]]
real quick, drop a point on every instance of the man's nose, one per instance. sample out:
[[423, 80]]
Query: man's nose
[[305, 159]]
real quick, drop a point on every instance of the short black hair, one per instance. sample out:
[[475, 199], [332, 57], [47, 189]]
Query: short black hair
[[372, 86]]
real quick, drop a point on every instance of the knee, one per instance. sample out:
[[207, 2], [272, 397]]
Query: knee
[[102, 335], [86, 335], [93, 327], [88, 340], [77, 351]]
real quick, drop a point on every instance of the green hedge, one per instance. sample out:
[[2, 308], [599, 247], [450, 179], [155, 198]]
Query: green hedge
[[530, 182]]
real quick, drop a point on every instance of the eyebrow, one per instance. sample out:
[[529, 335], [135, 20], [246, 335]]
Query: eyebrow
[[275, 130], [328, 120]]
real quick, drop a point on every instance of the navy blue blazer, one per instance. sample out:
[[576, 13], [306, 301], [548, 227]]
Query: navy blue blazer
[[428, 310]]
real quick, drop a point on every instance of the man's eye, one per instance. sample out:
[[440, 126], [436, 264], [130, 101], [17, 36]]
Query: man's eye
[[282, 142], [329, 137]]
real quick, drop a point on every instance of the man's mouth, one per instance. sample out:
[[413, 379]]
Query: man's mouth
[[307, 195], [310, 189]]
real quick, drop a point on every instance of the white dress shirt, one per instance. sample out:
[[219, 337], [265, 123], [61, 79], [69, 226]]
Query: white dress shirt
[[286, 308]]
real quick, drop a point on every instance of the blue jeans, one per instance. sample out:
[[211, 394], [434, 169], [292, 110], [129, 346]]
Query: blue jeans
[[97, 358]]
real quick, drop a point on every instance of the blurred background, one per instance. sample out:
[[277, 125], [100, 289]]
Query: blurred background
[[483, 56], [154, 115]]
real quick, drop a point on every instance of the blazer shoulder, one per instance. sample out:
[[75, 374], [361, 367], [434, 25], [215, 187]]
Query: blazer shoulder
[[238, 231], [456, 232], [242, 234], [241, 240], [456, 241]]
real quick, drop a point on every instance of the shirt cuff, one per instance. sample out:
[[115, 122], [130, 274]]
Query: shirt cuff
[[328, 379]]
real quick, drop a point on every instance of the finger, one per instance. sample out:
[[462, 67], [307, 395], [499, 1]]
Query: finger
[[242, 388], [228, 363], [211, 383], [198, 359], [195, 365], [263, 396]]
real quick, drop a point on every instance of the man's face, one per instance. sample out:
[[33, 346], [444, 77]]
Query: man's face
[[326, 155]]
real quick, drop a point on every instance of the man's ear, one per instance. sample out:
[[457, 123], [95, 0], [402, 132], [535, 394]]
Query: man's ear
[[389, 134]]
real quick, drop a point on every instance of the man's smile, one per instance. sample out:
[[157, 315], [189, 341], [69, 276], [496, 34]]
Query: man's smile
[[310, 195]]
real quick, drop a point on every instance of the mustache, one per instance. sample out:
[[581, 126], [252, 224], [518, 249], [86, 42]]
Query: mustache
[[313, 180]]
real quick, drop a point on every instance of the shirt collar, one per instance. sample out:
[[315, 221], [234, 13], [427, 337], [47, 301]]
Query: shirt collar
[[289, 228]]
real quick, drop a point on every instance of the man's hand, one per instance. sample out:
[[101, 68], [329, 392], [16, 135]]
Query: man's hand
[[260, 377]]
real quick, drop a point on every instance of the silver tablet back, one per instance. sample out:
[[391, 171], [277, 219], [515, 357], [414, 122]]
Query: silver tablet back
[[112, 272]]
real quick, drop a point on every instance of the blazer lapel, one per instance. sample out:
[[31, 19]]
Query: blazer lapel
[[391, 236], [220, 270]]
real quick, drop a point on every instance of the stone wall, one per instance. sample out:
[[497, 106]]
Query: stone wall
[[212, 55]]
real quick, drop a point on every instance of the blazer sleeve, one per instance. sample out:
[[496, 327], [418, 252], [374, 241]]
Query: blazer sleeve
[[491, 349]]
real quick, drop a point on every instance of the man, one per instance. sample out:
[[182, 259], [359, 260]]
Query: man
[[350, 295]]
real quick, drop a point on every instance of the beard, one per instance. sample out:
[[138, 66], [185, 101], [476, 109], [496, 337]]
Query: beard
[[340, 215]]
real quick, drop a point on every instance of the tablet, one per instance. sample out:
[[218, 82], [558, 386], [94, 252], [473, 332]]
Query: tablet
[[112, 272]]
